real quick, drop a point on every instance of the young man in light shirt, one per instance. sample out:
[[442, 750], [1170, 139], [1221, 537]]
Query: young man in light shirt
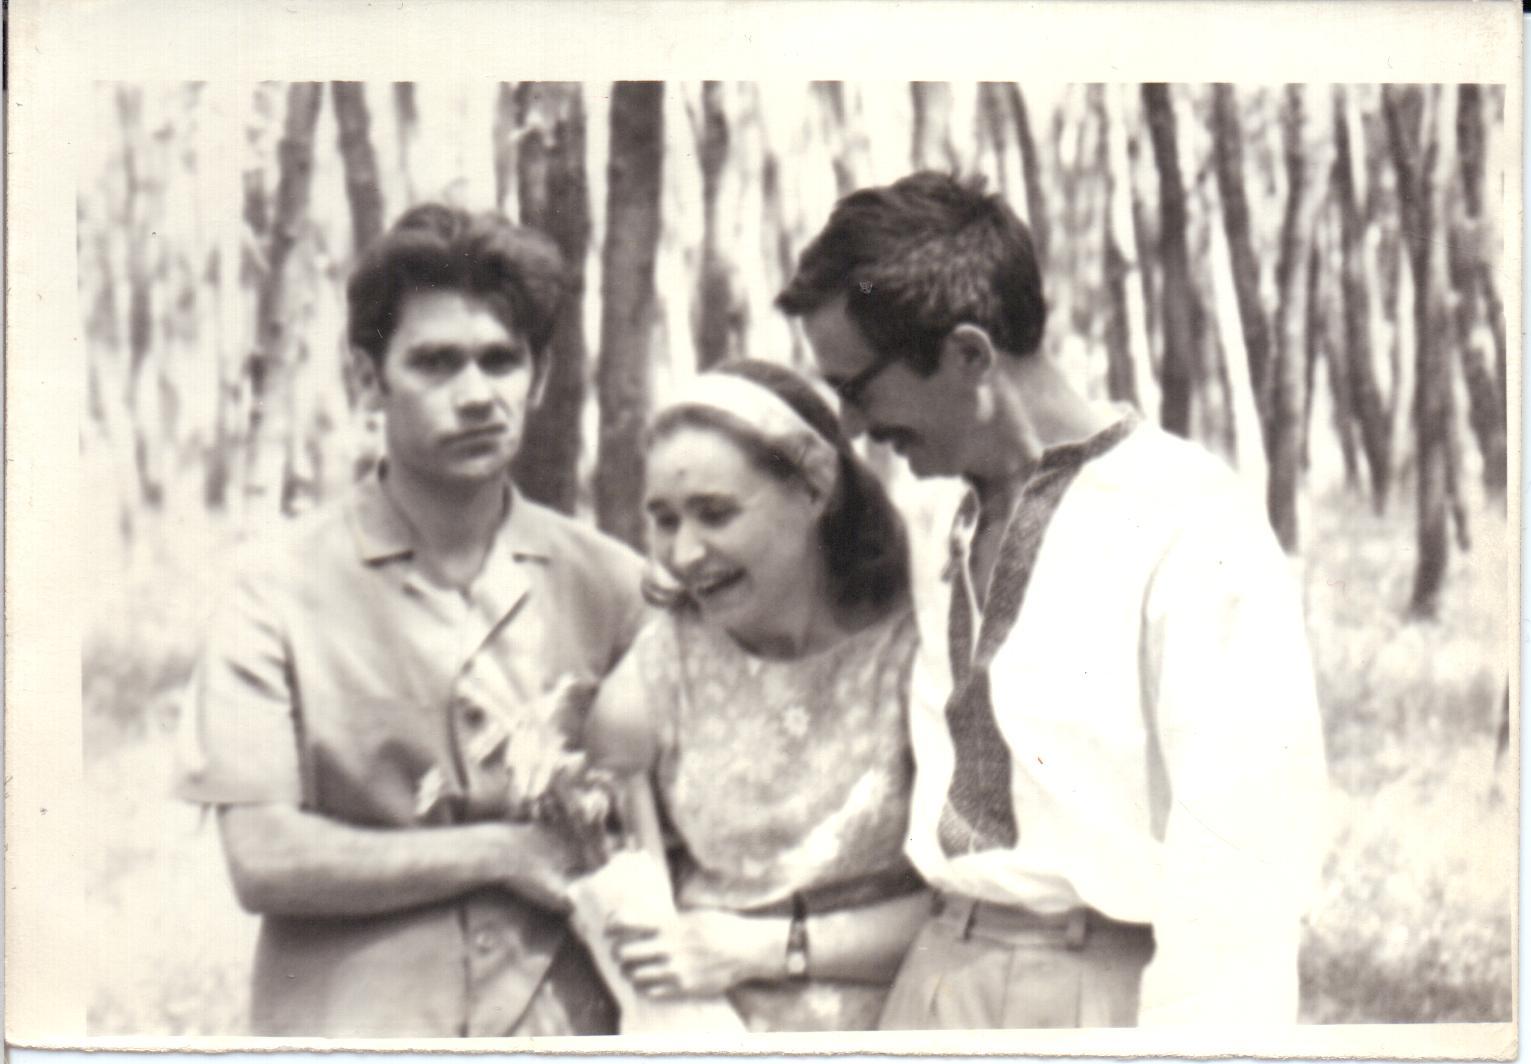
[[1119, 759], [375, 657]]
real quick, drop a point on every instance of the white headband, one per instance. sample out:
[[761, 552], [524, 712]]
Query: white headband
[[769, 417]]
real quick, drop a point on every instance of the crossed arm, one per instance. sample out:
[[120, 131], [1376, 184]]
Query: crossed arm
[[284, 861]]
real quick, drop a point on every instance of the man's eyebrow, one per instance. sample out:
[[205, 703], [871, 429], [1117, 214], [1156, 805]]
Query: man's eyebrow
[[495, 347], [710, 498], [435, 347]]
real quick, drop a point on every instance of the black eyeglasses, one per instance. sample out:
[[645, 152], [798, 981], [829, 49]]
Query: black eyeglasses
[[850, 390]]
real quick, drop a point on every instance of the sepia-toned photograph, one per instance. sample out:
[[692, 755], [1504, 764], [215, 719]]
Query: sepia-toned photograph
[[629, 370], [717, 558]]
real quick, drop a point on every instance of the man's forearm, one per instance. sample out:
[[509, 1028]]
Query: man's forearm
[[286, 861]]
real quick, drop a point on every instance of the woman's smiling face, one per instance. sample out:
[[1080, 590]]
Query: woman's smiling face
[[742, 542]]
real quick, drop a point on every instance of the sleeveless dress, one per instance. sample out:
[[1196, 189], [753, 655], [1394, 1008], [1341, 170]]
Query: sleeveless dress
[[784, 776]]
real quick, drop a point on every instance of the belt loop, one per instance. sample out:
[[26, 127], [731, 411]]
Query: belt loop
[[1077, 930]]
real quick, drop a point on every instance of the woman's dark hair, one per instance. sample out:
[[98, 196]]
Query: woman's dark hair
[[861, 535], [517, 272], [919, 257]]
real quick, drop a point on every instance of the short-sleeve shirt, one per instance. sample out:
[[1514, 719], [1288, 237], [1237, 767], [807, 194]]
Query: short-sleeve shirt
[[328, 683]]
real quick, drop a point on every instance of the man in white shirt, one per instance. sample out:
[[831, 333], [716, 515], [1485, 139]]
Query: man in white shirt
[[1119, 759]]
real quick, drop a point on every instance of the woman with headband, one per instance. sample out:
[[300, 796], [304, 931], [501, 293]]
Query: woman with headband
[[767, 702]]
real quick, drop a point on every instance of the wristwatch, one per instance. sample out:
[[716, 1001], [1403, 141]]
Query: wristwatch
[[797, 940]]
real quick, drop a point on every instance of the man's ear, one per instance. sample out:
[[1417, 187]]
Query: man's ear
[[969, 351], [369, 380]]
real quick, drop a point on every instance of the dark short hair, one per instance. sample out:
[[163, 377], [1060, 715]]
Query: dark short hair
[[919, 257], [517, 272], [861, 535]]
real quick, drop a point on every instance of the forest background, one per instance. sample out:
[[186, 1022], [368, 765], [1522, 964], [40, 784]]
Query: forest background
[[1305, 278]]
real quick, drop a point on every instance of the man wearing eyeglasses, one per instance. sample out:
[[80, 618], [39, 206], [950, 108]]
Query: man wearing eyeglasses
[[1119, 765]]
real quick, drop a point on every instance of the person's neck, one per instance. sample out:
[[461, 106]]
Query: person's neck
[[1035, 409], [454, 522], [808, 626]]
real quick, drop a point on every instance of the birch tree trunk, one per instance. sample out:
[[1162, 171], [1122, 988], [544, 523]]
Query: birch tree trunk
[[932, 147], [507, 130], [1177, 374], [1485, 411], [627, 302], [554, 197], [718, 313], [1126, 332], [1228, 164], [269, 458], [1324, 344], [140, 203], [1414, 157], [1031, 172], [406, 117], [993, 131], [1365, 396], [833, 122], [1305, 197], [363, 190]]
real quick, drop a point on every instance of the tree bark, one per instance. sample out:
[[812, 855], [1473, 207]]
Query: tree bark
[[993, 130], [507, 129], [718, 315], [1365, 397], [1486, 413], [627, 304], [932, 147], [1125, 327], [554, 197], [1228, 164], [1178, 371], [1031, 171], [141, 192], [1145, 237], [363, 191], [1326, 324], [834, 127], [269, 460], [1287, 373], [406, 116], [1414, 153]]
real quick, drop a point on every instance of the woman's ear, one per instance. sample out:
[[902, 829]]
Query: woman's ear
[[820, 468]]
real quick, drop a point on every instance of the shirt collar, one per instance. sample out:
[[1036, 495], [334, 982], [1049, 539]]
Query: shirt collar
[[382, 533], [1078, 452], [1060, 457]]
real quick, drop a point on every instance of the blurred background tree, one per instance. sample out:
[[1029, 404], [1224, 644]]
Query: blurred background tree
[[713, 189], [1304, 278]]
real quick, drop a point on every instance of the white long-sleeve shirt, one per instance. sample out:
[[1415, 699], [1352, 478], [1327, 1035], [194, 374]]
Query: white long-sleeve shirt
[[1156, 698]]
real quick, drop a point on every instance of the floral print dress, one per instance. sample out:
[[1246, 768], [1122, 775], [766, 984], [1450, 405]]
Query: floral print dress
[[782, 776]]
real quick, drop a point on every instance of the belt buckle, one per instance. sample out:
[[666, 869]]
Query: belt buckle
[[1077, 929]]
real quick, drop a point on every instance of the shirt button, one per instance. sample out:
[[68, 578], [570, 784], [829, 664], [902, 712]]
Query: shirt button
[[472, 715], [486, 940]]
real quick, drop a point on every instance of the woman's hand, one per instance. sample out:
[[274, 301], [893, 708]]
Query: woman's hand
[[701, 952]]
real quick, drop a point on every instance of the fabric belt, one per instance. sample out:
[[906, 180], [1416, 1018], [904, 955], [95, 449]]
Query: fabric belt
[[1072, 929]]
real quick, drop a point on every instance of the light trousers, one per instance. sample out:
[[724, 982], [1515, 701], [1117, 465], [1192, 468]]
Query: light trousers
[[980, 967]]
